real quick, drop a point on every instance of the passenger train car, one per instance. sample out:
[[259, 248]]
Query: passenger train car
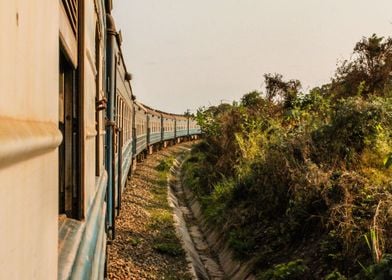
[[71, 132]]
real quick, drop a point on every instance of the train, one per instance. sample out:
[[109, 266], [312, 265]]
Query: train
[[71, 134]]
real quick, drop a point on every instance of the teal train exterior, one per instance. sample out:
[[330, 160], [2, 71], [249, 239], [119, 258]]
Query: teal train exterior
[[71, 132]]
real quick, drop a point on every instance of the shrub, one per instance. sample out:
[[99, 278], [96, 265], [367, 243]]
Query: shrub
[[293, 270]]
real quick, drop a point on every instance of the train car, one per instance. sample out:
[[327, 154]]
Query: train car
[[181, 128], [82, 174], [140, 130], [194, 130], [168, 129], [51, 145], [120, 120], [154, 129], [29, 138], [124, 110], [65, 157]]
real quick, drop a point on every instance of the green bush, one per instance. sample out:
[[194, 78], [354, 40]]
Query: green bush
[[169, 248], [164, 165], [355, 124], [335, 275], [379, 271], [293, 270]]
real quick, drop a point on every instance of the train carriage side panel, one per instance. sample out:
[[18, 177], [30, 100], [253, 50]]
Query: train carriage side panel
[[29, 137], [140, 128], [154, 127], [82, 231], [119, 140], [93, 92], [168, 127], [182, 127], [111, 61], [123, 113], [194, 128]]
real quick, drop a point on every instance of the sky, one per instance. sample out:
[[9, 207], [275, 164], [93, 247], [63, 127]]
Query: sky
[[186, 54]]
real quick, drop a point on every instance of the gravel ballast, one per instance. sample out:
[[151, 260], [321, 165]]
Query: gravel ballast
[[146, 246]]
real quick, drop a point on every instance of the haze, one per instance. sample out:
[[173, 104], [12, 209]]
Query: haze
[[185, 54]]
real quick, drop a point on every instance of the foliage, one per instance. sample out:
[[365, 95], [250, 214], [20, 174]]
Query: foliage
[[169, 248], [251, 99], [388, 160], [378, 271], [165, 164], [284, 172], [369, 70], [335, 275], [293, 270], [281, 91], [355, 124]]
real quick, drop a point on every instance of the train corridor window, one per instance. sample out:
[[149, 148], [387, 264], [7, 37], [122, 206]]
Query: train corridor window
[[122, 120], [125, 137], [97, 98], [125, 124], [69, 161]]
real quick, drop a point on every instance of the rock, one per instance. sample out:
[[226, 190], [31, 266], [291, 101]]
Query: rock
[[132, 254]]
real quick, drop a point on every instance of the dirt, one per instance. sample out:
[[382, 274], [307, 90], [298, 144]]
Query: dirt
[[134, 254]]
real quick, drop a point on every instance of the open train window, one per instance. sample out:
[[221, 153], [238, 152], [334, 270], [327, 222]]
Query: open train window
[[69, 192]]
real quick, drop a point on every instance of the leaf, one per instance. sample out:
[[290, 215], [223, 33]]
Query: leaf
[[388, 161]]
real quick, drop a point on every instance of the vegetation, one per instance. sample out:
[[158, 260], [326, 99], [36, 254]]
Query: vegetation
[[299, 182], [291, 270], [165, 241]]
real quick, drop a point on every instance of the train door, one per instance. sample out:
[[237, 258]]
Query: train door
[[69, 150]]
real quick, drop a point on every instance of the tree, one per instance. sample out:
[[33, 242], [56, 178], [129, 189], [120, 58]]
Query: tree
[[251, 99], [280, 91], [368, 72]]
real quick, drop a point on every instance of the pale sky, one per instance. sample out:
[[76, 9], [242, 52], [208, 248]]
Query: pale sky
[[184, 54]]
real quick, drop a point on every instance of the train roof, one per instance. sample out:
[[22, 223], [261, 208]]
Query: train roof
[[164, 114], [141, 106]]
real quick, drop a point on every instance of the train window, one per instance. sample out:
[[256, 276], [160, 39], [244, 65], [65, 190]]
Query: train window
[[125, 124], [130, 123], [122, 120], [97, 98], [116, 121], [69, 161], [119, 115], [116, 109]]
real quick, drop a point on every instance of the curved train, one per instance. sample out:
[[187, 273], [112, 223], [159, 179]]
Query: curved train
[[71, 131]]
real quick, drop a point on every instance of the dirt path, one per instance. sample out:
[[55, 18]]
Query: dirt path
[[146, 246]]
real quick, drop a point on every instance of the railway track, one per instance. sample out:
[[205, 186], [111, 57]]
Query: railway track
[[135, 254]]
